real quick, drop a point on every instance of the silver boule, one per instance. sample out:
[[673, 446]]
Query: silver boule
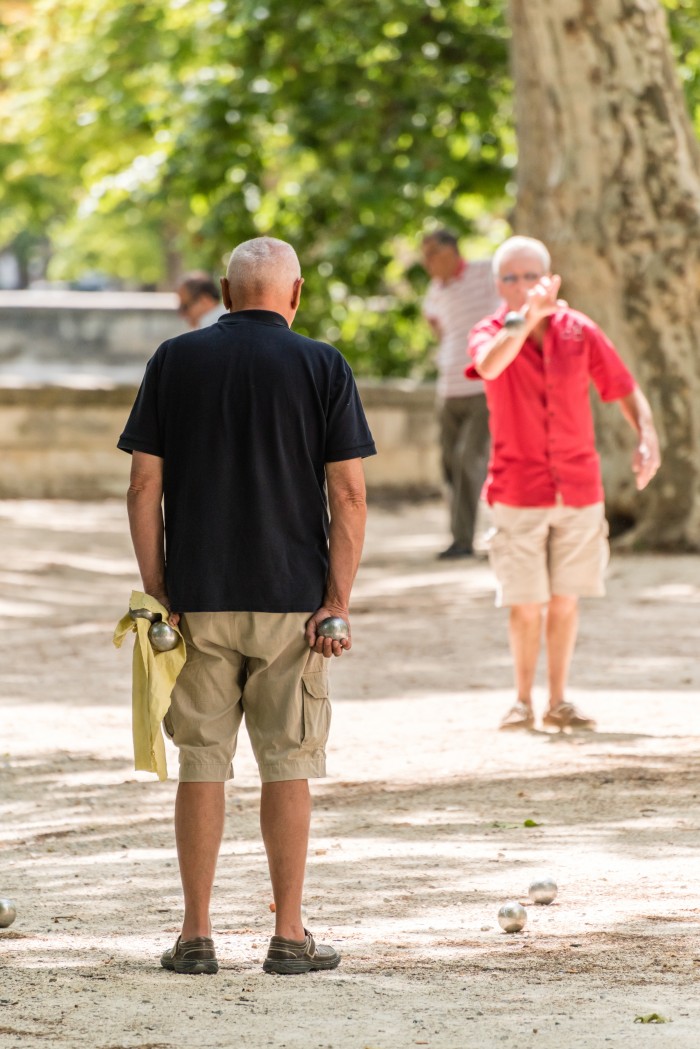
[[163, 637], [333, 627], [144, 613], [512, 916], [542, 890], [8, 913]]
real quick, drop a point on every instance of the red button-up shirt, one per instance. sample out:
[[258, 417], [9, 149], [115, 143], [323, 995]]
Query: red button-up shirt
[[542, 436]]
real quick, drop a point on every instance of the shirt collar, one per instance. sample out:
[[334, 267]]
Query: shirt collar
[[276, 320]]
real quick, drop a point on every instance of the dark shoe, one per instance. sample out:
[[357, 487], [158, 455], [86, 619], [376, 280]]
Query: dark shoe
[[519, 716], [191, 956], [566, 715], [456, 550], [290, 956]]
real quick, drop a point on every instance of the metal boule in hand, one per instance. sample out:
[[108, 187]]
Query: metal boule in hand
[[8, 913], [333, 627], [162, 636]]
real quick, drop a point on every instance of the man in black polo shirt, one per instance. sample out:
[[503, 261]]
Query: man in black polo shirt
[[250, 434]]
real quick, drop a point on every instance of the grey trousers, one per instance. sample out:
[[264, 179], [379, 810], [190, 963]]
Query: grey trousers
[[464, 443]]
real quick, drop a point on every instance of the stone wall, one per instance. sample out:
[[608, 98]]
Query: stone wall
[[70, 364], [59, 442], [67, 337]]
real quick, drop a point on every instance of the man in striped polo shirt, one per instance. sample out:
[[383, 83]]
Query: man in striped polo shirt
[[460, 294]]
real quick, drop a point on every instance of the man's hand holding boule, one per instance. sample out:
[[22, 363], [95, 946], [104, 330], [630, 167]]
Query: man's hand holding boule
[[327, 646]]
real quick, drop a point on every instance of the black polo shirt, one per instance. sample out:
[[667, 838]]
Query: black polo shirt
[[245, 414]]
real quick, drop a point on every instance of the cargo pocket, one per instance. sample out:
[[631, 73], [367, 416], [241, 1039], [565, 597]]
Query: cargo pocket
[[316, 710]]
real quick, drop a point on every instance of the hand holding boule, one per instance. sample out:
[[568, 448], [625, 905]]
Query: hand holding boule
[[328, 633], [161, 635]]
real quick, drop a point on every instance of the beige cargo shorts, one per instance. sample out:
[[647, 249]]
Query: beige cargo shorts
[[536, 552], [256, 665]]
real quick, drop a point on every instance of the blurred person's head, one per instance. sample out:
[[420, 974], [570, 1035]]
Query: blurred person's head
[[198, 294], [441, 257], [263, 274], [518, 265]]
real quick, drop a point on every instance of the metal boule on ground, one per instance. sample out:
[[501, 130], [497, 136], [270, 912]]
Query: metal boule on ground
[[542, 890], [512, 916], [8, 913]]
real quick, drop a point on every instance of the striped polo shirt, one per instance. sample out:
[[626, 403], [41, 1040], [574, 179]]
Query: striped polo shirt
[[456, 305]]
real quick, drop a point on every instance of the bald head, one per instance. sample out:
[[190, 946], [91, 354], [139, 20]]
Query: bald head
[[263, 273]]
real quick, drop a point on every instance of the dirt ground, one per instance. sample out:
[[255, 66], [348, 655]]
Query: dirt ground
[[419, 831]]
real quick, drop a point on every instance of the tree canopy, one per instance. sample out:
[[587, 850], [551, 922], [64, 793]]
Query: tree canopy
[[145, 137]]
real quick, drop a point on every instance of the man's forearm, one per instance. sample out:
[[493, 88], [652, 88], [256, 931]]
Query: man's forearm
[[147, 535], [647, 457], [503, 349], [637, 411], [346, 539]]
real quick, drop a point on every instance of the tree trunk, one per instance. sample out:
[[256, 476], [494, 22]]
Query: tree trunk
[[608, 179]]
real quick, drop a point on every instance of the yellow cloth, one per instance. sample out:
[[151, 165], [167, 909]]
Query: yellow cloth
[[154, 675]]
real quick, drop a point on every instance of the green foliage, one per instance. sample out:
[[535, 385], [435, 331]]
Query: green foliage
[[145, 137], [684, 26]]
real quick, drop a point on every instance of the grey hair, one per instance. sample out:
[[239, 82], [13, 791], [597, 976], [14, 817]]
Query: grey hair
[[521, 246], [262, 265]]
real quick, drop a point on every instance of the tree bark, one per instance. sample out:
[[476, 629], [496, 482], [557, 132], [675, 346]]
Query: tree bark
[[608, 178]]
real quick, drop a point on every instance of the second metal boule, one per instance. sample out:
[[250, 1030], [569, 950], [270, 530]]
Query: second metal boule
[[542, 890], [163, 637]]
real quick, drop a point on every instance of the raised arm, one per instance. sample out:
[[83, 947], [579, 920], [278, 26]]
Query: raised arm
[[144, 505], [505, 347], [348, 512], [647, 458]]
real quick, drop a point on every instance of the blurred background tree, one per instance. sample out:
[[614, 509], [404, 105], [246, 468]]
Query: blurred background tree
[[609, 178]]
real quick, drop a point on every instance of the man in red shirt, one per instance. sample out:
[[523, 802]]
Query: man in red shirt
[[537, 358]]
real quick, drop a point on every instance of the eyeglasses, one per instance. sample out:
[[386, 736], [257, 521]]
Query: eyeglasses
[[513, 278]]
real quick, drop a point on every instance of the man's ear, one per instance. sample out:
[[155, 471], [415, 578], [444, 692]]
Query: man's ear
[[226, 293], [296, 293]]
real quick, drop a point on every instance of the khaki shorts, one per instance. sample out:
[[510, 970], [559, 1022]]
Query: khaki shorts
[[537, 551], [256, 664]]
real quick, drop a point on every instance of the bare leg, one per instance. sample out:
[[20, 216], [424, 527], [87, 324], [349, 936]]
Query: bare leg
[[525, 630], [285, 816], [562, 626], [199, 827]]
